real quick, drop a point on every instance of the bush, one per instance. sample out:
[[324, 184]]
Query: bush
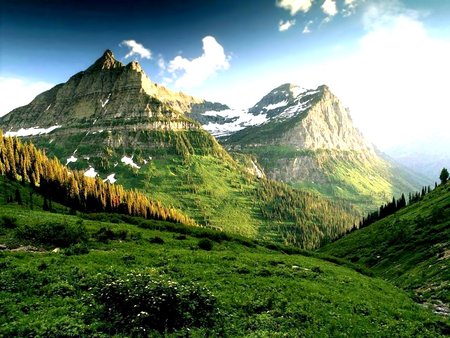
[[156, 240], [8, 222], [205, 244], [50, 233], [105, 234], [138, 303], [77, 249]]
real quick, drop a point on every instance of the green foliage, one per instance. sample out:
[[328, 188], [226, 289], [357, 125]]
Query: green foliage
[[156, 240], [105, 234], [205, 244], [27, 164], [410, 247], [8, 222], [52, 233], [139, 303], [312, 219], [444, 175], [260, 290]]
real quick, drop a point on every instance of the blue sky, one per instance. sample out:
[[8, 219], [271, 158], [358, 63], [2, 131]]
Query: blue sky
[[387, 60]]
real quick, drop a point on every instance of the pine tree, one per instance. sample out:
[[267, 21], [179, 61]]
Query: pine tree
[[444, 176], [18, 197]]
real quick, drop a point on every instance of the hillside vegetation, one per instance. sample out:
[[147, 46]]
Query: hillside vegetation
[[411, 248], [191, 172], [103, 278]]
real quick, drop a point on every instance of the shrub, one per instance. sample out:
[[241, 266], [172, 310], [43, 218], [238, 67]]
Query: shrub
[[105, 234], [138, 303], [156, 240], [50, 233], [77, 249], [205, 244], [8, 222]]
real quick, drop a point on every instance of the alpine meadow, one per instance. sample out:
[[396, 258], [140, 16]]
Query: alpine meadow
[[273, 168]]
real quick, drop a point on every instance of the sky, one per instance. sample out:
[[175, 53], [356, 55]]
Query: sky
[[387, 60]]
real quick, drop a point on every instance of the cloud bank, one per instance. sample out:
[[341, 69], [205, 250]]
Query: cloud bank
[[190, 73]]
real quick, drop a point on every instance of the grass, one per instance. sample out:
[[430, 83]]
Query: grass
[[361, 180], [260, 290], [409, 248]]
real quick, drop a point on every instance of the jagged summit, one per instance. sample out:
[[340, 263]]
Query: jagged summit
[[107, 90], [106, 61], [304, 119]]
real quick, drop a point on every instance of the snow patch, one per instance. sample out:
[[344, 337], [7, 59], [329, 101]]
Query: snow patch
[[31, 131], [90, 172], [299, 108], [110, 179], [129, 161], [259, 173], [71, 159], [104, 103], [48, 107], [297, 90], [242, 119], [275, 105]]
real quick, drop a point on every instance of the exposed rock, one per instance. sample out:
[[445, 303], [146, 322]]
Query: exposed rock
[[103, 93], [27, 248]]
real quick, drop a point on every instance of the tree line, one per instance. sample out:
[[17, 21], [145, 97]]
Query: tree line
[[23, 162], [304, 219], [395, 205]]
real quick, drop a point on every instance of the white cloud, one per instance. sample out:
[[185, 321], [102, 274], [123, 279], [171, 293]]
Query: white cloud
[[197, 70], [395, 81], [329, 7], [285, 25], [350, 7], [307, 28], [15, 92], [295, 6], [136, 49]]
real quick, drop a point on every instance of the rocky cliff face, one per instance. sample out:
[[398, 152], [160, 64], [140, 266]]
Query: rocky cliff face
[[303, 119], [327, 125], [106, 91], [306, 137]]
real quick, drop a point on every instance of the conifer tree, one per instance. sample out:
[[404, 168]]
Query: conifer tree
[[444, 176]]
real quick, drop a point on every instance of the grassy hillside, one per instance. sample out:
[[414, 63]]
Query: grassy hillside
[[246, 289], [192, 172], [411, 248], [363, 181]]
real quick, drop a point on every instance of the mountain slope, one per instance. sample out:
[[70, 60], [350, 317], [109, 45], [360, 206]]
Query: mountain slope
[[307, 139], [248, 289], [111, 121], [410, 248]]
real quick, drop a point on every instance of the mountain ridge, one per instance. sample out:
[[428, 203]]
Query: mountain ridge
[[109, 124]]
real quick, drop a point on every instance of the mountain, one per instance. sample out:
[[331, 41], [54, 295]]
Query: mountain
[[306, 137], [112, 122], [411, 248]]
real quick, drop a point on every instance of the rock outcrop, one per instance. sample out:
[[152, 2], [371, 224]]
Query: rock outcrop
[[106, 91]]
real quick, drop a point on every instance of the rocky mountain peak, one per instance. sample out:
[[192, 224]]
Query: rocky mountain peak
[[106, 61]]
